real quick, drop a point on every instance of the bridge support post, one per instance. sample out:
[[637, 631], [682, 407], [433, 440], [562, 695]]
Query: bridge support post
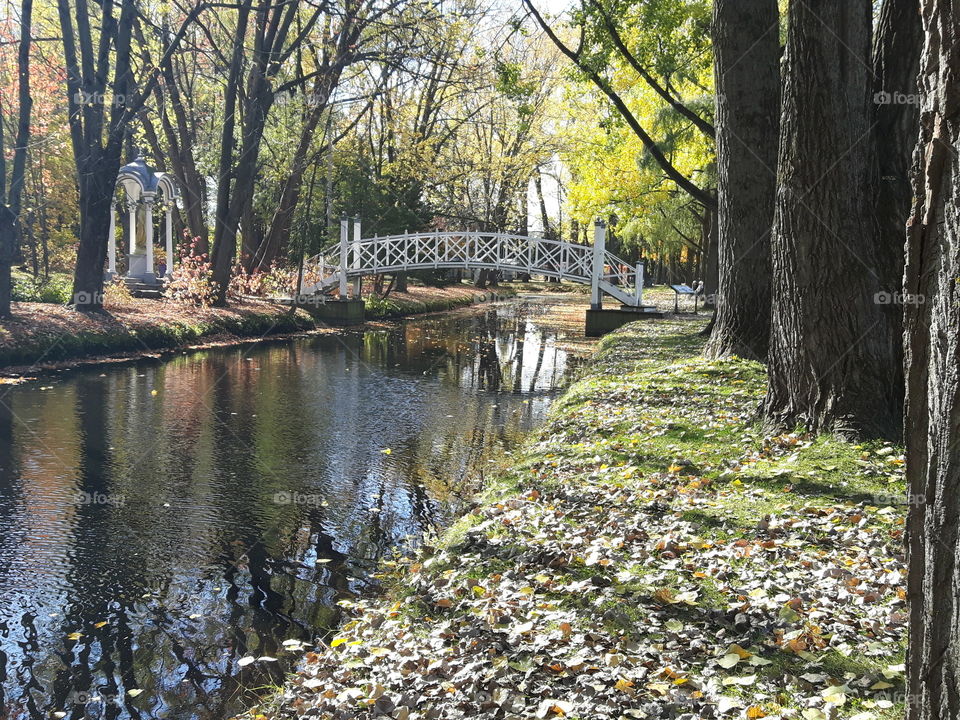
[[356, 257], [639, 278], [599, 248], [344, 229]]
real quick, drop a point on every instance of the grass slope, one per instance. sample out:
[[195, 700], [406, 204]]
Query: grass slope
[[44, 334], [650, 554]]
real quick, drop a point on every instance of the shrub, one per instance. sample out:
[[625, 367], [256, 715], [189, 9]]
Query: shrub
[[116, 293], [261, 283], [53, 289], [192, 280]]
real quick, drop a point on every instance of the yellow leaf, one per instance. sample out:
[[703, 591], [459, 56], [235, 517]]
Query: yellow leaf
[[100, 624], [338, 641], [74, 636], [755, 711], [387, 451], [744, 654]]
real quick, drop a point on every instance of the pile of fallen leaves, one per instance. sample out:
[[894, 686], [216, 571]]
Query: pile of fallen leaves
[[654, 557]]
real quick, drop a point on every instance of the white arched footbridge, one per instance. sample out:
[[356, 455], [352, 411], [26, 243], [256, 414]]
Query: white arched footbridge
[[353, 257]]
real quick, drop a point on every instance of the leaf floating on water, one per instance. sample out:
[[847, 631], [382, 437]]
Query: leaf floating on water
[[74, 636], [266, 658], [244, 661], [194, 616], [100, 624], [134, 692], [387, 451]]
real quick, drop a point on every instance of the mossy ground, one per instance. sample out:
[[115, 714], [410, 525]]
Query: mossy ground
[[650, 553]]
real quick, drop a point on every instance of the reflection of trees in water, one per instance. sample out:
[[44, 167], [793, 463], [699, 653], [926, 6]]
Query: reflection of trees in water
[[222, 437]]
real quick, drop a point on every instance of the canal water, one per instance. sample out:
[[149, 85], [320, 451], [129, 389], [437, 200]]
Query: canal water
[[160, 521]]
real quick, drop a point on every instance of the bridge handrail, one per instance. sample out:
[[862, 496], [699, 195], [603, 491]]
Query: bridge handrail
[[334, 250], [353, 257]]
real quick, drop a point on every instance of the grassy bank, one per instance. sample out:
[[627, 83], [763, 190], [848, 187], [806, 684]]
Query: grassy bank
[[651, 553], [423, 299], [43, 335]]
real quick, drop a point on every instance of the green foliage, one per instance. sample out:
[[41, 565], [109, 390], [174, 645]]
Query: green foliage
[[57, 288]]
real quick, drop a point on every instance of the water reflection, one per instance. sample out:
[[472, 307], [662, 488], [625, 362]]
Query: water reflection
[[164, 519]]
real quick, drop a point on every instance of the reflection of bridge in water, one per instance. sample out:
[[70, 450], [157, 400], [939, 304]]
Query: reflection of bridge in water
[[351, 258]]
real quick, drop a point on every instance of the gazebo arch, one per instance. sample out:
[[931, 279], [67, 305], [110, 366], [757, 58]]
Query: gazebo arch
[[142, 188]]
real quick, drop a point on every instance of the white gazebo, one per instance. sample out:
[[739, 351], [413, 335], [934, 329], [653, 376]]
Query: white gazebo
[[142, 190]]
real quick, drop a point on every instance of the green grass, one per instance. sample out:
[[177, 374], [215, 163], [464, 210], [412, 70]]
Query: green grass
[[390, 307]]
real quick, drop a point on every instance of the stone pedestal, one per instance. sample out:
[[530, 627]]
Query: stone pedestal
[[139, 269]]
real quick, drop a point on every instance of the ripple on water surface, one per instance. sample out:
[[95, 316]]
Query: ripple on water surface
[[161, 520]]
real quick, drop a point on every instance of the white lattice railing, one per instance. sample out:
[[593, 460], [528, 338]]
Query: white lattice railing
[[471, 250]]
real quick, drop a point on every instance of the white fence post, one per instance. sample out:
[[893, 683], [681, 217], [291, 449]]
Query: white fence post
[[599, 248], [344, 230], [639, 279], [356, 257]]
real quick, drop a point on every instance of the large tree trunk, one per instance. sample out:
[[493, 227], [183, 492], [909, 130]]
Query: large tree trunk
[[747, 71], [896, 61], [932, 366], [830, 365]]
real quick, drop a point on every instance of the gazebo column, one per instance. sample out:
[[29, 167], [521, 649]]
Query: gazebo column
[[132, 208], [168, 229], [148, 233], [112, 243]]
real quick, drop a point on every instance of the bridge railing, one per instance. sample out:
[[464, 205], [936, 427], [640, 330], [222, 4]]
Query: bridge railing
[[458, 250], [357, 256]]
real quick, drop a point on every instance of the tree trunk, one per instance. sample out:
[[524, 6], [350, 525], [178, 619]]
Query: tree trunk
[[180, 140], [830, 366], [747, 73], [932, 366], [709, 241], [896, 61]]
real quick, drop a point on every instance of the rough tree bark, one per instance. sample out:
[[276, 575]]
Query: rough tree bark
[[932, 366], [896, 60], [830, 366], [746, 45]]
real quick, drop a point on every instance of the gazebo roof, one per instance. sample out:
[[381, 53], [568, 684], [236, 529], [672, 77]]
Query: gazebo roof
[[138, 178]]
